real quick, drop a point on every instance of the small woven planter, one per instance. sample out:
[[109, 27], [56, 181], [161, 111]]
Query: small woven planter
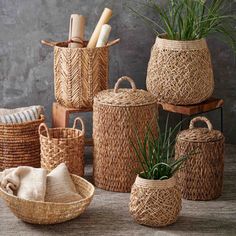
[[155, 202], [117, 115], [63, 145], [201, 177], [36, 212], [19, 144], [79, 73], [180, 72]]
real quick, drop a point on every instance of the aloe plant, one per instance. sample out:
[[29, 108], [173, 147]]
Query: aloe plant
[[155, 153], [191, 19]]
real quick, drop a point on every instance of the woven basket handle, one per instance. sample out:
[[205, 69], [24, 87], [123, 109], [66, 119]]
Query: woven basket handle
[[43, 126], [123, 79], [200, 118], [49, 43], [78, 119]]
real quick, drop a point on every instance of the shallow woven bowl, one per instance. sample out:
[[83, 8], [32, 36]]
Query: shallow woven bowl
[[48, 212]]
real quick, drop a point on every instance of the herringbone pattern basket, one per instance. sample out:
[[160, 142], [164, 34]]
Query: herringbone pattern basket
[[79, 73]]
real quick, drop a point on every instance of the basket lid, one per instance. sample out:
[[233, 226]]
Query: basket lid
[[125, 97], [194, 134]]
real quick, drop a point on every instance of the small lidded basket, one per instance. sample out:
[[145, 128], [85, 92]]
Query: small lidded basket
[[201, 177], [118, 116]]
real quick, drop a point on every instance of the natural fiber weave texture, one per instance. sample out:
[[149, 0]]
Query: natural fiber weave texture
[[201, 177], [79, 74], [63, 145], [115, 122], [155, 202], [19, 144], [48, 212], [180, 72]]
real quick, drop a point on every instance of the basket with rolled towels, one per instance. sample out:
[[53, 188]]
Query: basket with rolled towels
[[19, 138], [39, 197]]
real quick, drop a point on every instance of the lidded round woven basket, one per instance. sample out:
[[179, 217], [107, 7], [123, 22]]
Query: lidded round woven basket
[[118, 115], [155, 202], [63, 145], [19, 144], [79, 73], [201, 177], [180, 72]]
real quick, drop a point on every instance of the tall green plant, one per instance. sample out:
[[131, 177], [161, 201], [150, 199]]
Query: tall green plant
[[192, 19], [155, 153]]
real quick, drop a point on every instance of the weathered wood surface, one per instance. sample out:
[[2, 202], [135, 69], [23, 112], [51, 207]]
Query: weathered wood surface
[[208, 105], [108, 214]]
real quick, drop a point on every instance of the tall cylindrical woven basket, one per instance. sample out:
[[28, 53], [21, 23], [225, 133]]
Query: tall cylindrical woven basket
[[119, 115], [155, 202], [201, 177], [180, 72], [19, 144], [63, 145], [79, 73]]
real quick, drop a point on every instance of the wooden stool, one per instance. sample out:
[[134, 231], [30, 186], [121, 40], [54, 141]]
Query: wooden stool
[[61, 116], [192, 110]]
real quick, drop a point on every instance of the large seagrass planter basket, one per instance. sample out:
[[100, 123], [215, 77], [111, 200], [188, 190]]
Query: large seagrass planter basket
[[118, 115], [155, 202], [79, 73], [36, 212], [201, 177], [19, 144], [180, 72], [63, 145]]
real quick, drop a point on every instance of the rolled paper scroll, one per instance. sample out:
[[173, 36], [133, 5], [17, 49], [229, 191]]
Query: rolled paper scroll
[[104, 19], [104, 35], [76, 31]]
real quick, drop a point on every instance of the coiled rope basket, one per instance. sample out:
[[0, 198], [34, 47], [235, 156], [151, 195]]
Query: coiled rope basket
[[63, 145], [180, 72], [155, 202], [201, 177]]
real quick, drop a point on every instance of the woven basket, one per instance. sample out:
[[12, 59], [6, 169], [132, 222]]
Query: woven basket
[[63, 145], [201, 177], [79, 73], [155, 202], [118, 115], [180, 72], [36, 212], [19, 144]]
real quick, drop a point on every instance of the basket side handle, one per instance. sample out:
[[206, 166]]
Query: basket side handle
[[200, 118], [78, 119], [42, 127], [123, 78], [113, 42], [48, 43]]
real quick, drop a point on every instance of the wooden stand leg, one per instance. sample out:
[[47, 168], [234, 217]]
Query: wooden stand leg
[[60, 116]]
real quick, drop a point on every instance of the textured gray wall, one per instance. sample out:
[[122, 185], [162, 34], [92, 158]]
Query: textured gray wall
[[26, 66]]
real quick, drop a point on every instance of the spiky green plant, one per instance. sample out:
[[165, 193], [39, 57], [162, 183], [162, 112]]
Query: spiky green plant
[[155, 153], [192, 19]]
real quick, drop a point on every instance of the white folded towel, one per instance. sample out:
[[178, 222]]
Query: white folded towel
[[20, 115], [25, 182], [60, 187]]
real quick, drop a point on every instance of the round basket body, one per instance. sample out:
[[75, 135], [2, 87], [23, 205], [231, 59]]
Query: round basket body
[[180, 72], [79, 74], [63, 145], [48, 212], [201, 177], [118, 115], [19, 144], [155, 202]]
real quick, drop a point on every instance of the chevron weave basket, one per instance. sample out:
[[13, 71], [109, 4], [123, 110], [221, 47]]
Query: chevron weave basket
[[79, 73]]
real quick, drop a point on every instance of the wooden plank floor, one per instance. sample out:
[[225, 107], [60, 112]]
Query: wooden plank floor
[[108, 214]]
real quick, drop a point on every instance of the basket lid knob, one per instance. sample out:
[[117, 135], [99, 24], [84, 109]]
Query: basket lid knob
[[203, 119], [123, 78]]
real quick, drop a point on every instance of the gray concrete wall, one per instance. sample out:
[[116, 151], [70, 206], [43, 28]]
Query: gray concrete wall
[[26, 66]]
